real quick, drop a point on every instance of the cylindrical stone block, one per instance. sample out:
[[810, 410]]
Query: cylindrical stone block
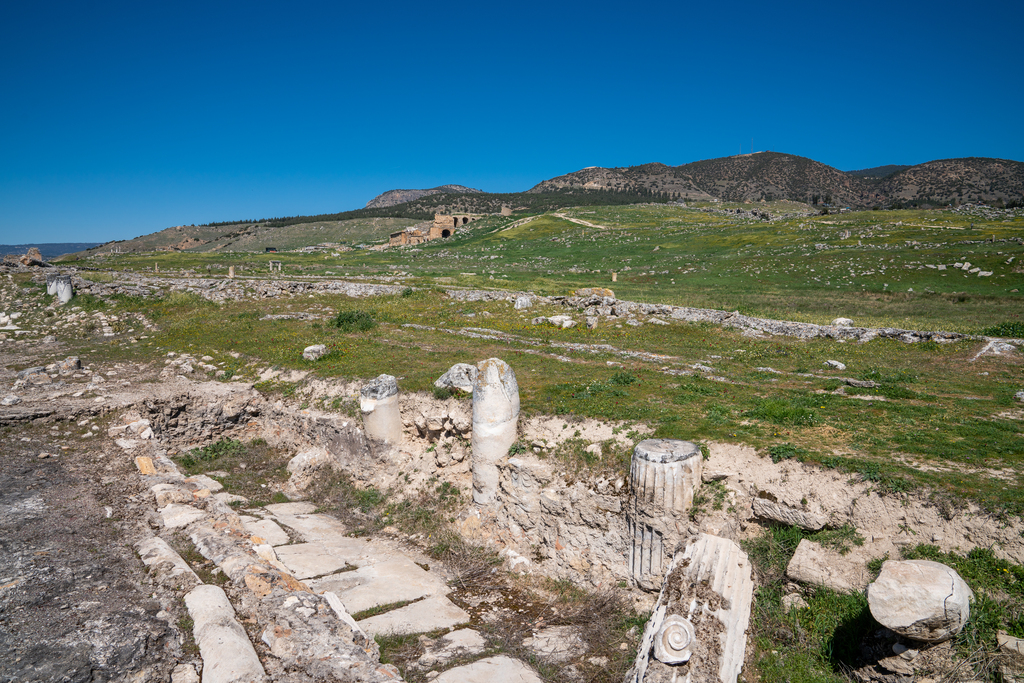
[[378, 401], [664, 474], [63, 288], [231, 272], [495, 414], [51, 283]]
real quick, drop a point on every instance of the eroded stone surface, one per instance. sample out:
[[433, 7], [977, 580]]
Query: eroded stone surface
[[490, 670], [769, 509]]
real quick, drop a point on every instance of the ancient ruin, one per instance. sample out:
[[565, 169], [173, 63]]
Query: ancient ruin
[[286, 591], [444, 226]]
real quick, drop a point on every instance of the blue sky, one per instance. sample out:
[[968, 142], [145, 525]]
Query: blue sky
[[118, 119]]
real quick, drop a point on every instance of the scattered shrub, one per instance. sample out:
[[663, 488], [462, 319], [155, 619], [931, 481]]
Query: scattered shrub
[[354, 321]]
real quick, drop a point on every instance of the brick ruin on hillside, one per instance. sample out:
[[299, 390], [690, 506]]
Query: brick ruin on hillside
[[444, 226]]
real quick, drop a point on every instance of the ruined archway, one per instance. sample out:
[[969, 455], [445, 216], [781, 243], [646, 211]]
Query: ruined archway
[[465, 219], [446, 233], [455, 222]]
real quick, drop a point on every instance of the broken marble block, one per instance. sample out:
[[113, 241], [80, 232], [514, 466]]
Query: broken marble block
[[698, 630], [51, 283], [495, 415], [664, 474], [920, 599], [378, 401], [459, 376]]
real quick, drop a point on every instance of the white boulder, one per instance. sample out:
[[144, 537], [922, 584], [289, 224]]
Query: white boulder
[[315, 352], [459, 376]]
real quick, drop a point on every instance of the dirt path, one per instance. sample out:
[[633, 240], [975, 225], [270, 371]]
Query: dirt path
[[580, 221]]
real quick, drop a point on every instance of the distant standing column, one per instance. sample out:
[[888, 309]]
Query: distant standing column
[[231, 272], [64, 289], [495, 414], [378, 401], [663, 476]]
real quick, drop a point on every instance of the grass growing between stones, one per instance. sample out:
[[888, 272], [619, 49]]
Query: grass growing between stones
[[801, 645], [254, 470]]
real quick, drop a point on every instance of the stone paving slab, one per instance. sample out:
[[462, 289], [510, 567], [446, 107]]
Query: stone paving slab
[[299, 508], [306, 560], [500, 668], [267, 529], [382, 583], [420, 617], [314, 528]]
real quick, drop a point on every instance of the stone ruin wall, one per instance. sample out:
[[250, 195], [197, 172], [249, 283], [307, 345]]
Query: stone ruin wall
[[545, 519]]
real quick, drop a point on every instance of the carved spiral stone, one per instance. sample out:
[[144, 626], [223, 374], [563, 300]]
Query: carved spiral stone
[[675, 639]]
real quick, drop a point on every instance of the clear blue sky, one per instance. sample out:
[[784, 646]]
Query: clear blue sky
[[118, 119]]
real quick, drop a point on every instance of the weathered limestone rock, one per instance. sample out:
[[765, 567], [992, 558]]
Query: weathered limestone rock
[[821, 566], [842, 322], [663, 476], [51, 283], [314, 352], [378, 400], [523, 302], [557, 643], [769, 509], [835, 365], [920, 599], [176, 516], [165, 564], [495, 414], [595, 291], [460, 376], [228, 656], [304, 466], [698, 631], [455, 644], [63, 288]]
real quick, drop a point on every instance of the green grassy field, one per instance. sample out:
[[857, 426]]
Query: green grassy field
[[878, 268]]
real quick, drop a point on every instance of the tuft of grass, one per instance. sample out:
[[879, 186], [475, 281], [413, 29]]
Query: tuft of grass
[[353, 321], [785, 451], [782, 412]]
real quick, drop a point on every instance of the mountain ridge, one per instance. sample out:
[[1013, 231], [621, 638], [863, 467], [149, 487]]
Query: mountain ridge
[[394, 197]]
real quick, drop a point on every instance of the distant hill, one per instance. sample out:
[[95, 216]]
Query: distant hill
[[877, 171], [744, 178], [393, 197], [973, 179], [774, 175], [49, 250]]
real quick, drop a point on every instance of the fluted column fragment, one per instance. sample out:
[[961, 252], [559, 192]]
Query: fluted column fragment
[[664, 474]]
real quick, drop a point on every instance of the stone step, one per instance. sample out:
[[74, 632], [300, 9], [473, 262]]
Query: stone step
[[427, 615], [382, 583]]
